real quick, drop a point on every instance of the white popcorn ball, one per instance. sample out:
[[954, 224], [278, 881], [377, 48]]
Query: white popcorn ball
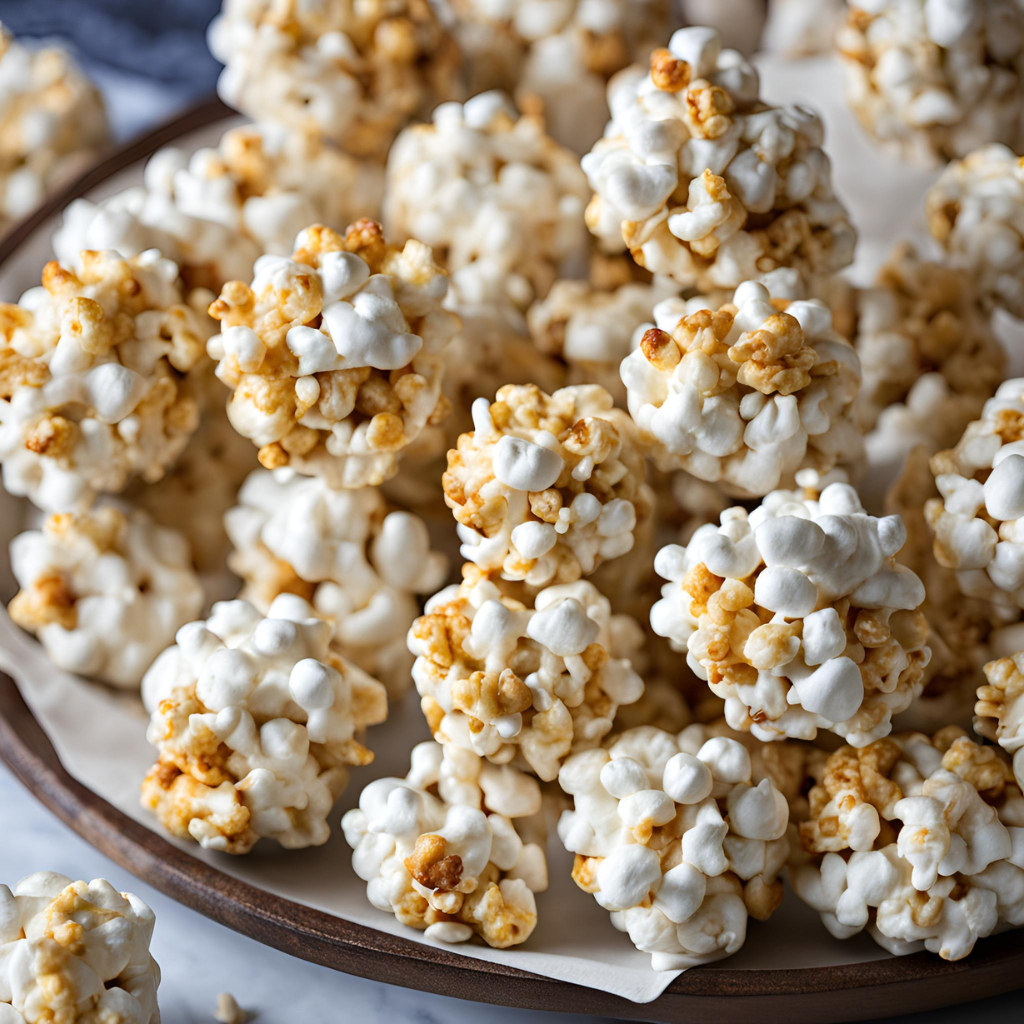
[[546, 487], [104, 592], [673, 836], [919, 840], [215, 211], [334, 356], [359, 562], [520, 684], [455, 849], [75, 952], [799, 616], [976, 213], [934, 79], [799, 28], [98, 378], [256, 721], [702, 181], [357, 72], [1000, 708], [52, 122], [748, 395]]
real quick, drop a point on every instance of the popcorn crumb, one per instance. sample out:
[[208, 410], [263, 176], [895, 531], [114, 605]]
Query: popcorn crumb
[[229, 1012]]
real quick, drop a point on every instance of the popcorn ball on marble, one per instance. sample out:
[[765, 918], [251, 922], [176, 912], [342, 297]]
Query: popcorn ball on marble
[[98, 372], [934, 79], [75, 953], [104, 592], [52, 123], [546, 487], [217, 210], [357, 72], [520, 684], [747, 395], [454, 849], [358, 561], [976, 213], [918, 840], [799, 616], [334, 356], [673, 836], [1000, 709], [702, 181], [256, 721]]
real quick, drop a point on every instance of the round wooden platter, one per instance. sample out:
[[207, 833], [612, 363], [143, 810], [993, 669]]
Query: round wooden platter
[[858, 991]]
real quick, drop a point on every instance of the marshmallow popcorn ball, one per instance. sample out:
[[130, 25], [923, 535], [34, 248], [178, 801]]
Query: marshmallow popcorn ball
[[702, 181], [256, 721], [919, 840], [75, 953]]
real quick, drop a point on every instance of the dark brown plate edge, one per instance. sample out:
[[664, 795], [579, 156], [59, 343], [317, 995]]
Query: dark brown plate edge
[[840, 993]]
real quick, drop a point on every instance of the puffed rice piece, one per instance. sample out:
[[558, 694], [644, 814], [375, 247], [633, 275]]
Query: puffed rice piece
[[519, 683], [799, 616], [98, 371], [104, 592], [674, 838], [216, 210], [976, 213], [357, 72], [449, 849], [75, 953], [334, 355], [747, 395], [546, 487], [256, 721], [52, 122], [934, 79], [1000, 709], [702, 181], [360, 563], [919, 840]]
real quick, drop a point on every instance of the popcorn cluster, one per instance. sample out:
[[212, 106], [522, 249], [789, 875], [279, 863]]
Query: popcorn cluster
[[96, 378], [256, 721], [1000, 709], [546, 487], [976, 213], [358, 562], [334, 355], [104, 592], [52, 122], [702, 181], [746, 395], [673, 836], [935, 79], [357, 72], [919, 840], [520, 684], [455, 849], [799, 616], [75, 952]]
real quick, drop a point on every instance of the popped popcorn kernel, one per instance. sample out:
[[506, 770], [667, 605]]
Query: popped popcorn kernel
[[1000, 708]]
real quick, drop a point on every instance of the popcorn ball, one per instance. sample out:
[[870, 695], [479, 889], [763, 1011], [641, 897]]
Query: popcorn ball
[[214, 212], [673, 837], [702, 181], [359, 562], [256, 721], [104, 592], [334, 356], [75, 953], [799, 616], [97, 378], [918, 840], [1000, 709], [976, 213], [451, 849], [357, 72], [746, 395], [52, 123], [518, 684], [934, 79], [546, 487]]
